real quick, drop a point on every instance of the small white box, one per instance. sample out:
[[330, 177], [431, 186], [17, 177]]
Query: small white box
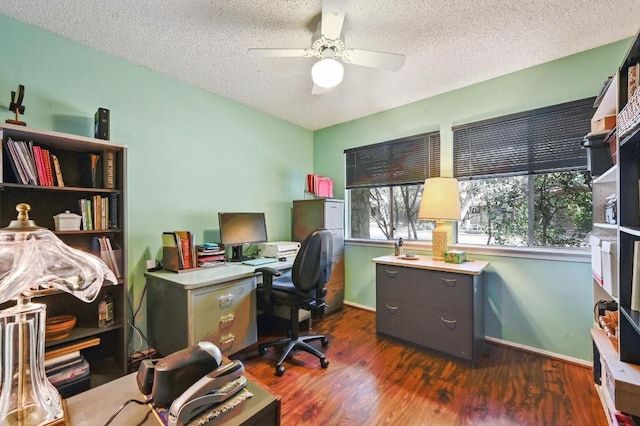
[[67, 221], [610, 266]]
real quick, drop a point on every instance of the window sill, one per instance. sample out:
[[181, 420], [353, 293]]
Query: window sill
[[582, 255]]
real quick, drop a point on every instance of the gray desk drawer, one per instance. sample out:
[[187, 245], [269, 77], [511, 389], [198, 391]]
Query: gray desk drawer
[[442, 331], [224, 316], [444, 291]]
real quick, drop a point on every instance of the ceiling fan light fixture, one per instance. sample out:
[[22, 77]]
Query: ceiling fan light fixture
[[327, 73]]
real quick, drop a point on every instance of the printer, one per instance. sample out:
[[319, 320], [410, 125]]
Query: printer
[[279, 249]]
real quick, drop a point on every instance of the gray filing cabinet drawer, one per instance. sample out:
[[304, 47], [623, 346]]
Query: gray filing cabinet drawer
[[444, 291], [432, 304], [446, 332], [225, 315]]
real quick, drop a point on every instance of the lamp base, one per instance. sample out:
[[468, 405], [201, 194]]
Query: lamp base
[[439, 241]]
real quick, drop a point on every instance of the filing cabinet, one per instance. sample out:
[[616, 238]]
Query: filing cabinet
[[432, 304], [180, 315], [327, 213]]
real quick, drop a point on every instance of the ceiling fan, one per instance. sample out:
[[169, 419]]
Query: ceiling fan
[[327, 46]]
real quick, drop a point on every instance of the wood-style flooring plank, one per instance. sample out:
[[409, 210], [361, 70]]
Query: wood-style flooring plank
[[372, 380]]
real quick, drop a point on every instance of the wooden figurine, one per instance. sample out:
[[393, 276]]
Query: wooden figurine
[[17, 107]]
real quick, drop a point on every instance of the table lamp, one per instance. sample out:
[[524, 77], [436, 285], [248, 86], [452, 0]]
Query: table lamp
[[440, 201], [33, 261]]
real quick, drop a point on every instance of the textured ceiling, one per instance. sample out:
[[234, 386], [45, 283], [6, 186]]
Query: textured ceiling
[[448, 44]]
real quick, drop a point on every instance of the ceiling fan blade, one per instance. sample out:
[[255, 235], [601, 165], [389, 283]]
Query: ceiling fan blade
[[317, 90], [281, 53], [369, 58], [332, 18]]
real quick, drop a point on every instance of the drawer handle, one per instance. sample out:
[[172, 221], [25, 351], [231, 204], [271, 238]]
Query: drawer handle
[[391, 309], [227, 320], [450, 324], [226, 342], [449, 282], [391, 273], [226, 300]]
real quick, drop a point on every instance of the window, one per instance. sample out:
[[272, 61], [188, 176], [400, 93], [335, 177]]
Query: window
[[523, 178], [385, 186]]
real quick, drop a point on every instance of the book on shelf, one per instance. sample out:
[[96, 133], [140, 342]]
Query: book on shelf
[[108, 255], [61, 359], [97, 209], [24, 158], [71, 372], [46, 158], [109, 169], [15, 156], [83, 213], [58, 171], [90, 167], [70, 348], [39, 163], [13, 168], [113, 211]]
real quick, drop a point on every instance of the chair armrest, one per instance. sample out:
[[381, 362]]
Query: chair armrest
[[268, 273], [267, 280]]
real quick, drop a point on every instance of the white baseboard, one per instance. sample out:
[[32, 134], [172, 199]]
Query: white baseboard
[[541, 352], [513, 345], [357, 305]]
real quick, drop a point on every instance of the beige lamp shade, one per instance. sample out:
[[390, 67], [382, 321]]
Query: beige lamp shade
[[440, 201]]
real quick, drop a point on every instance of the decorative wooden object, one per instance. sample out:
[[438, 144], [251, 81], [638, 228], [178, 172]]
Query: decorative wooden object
[[17, 107]]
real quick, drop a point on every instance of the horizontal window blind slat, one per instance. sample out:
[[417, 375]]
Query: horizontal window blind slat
[[537, 141], [398, 162]]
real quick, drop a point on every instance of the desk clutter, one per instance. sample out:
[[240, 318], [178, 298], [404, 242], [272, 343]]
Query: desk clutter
[[192, 385], [180, 253]]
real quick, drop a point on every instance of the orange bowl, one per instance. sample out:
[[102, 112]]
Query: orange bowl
[[59, 327]]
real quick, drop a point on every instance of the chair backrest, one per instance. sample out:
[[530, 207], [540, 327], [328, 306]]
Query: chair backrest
[[312, 266]]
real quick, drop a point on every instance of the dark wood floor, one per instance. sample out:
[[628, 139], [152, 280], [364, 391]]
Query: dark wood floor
[[373, 381]]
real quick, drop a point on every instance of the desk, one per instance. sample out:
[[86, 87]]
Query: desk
[[432, 304], [95, 406], [216, 304]]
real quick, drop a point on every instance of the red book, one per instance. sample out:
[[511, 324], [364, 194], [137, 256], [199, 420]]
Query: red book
[[48, 169], [37, 159]]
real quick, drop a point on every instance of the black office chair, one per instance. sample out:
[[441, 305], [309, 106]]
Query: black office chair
[[302, 288]]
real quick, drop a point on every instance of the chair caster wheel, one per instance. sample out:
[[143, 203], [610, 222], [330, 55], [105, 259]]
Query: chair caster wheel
[[324, 363], [280, 370], [324, 341], [262, 350]]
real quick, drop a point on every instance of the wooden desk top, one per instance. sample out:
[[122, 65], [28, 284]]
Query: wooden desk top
[[95, 406], [471, 267]]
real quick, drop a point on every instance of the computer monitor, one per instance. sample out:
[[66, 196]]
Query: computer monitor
[[237, 229]]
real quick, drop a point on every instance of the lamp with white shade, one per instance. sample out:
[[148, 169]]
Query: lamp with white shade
[[440, 201]]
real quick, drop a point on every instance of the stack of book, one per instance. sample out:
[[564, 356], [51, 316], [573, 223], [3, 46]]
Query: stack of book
[[210, 254], [67, 369], [178, 251], [32, 164], [99, 213], [110, 255]]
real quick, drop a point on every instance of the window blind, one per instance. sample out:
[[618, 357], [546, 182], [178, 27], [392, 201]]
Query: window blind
[[403, 161], [537, 141]]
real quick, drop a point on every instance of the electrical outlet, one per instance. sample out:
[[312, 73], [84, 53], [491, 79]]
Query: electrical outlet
[[151, 263]]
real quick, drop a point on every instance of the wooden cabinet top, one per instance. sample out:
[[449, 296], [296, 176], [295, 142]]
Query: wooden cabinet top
[[471, 267]]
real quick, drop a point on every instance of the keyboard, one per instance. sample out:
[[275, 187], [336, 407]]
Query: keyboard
[[259, 261]]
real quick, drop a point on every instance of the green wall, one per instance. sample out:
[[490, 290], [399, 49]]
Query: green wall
[[542, 304], [191, 154]]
